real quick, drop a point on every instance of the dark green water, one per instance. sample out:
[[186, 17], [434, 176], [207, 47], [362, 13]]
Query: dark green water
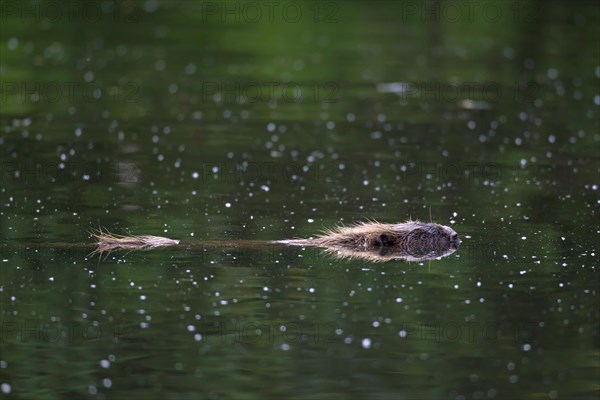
[[204, 121]]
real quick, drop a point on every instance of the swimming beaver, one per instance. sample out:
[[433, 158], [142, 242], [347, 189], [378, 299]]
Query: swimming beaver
[[411, 241], [373, 241]]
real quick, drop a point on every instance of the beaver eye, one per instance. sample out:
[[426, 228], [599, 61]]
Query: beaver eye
[[423, 236], [385, 241]]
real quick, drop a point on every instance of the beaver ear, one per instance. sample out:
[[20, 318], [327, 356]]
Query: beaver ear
[[422, 234], [385, 240]]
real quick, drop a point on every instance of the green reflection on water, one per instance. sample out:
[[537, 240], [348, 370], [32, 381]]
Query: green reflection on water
[[199, 133]]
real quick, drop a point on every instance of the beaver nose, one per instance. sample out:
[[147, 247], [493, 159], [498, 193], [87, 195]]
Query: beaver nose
[[455, 240]]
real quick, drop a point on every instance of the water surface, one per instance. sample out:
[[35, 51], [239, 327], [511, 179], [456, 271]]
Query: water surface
[[171, 119]]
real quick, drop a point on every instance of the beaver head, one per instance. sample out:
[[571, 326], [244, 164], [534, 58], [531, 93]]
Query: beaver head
[[420, 240], [411, 241], [431, 240]]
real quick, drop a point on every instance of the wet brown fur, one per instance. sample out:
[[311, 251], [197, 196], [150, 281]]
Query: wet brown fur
[[411, 240], [374, 241], [107, 242]]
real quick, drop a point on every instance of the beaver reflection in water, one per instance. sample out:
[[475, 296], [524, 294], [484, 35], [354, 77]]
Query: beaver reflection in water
[[411, 241]]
